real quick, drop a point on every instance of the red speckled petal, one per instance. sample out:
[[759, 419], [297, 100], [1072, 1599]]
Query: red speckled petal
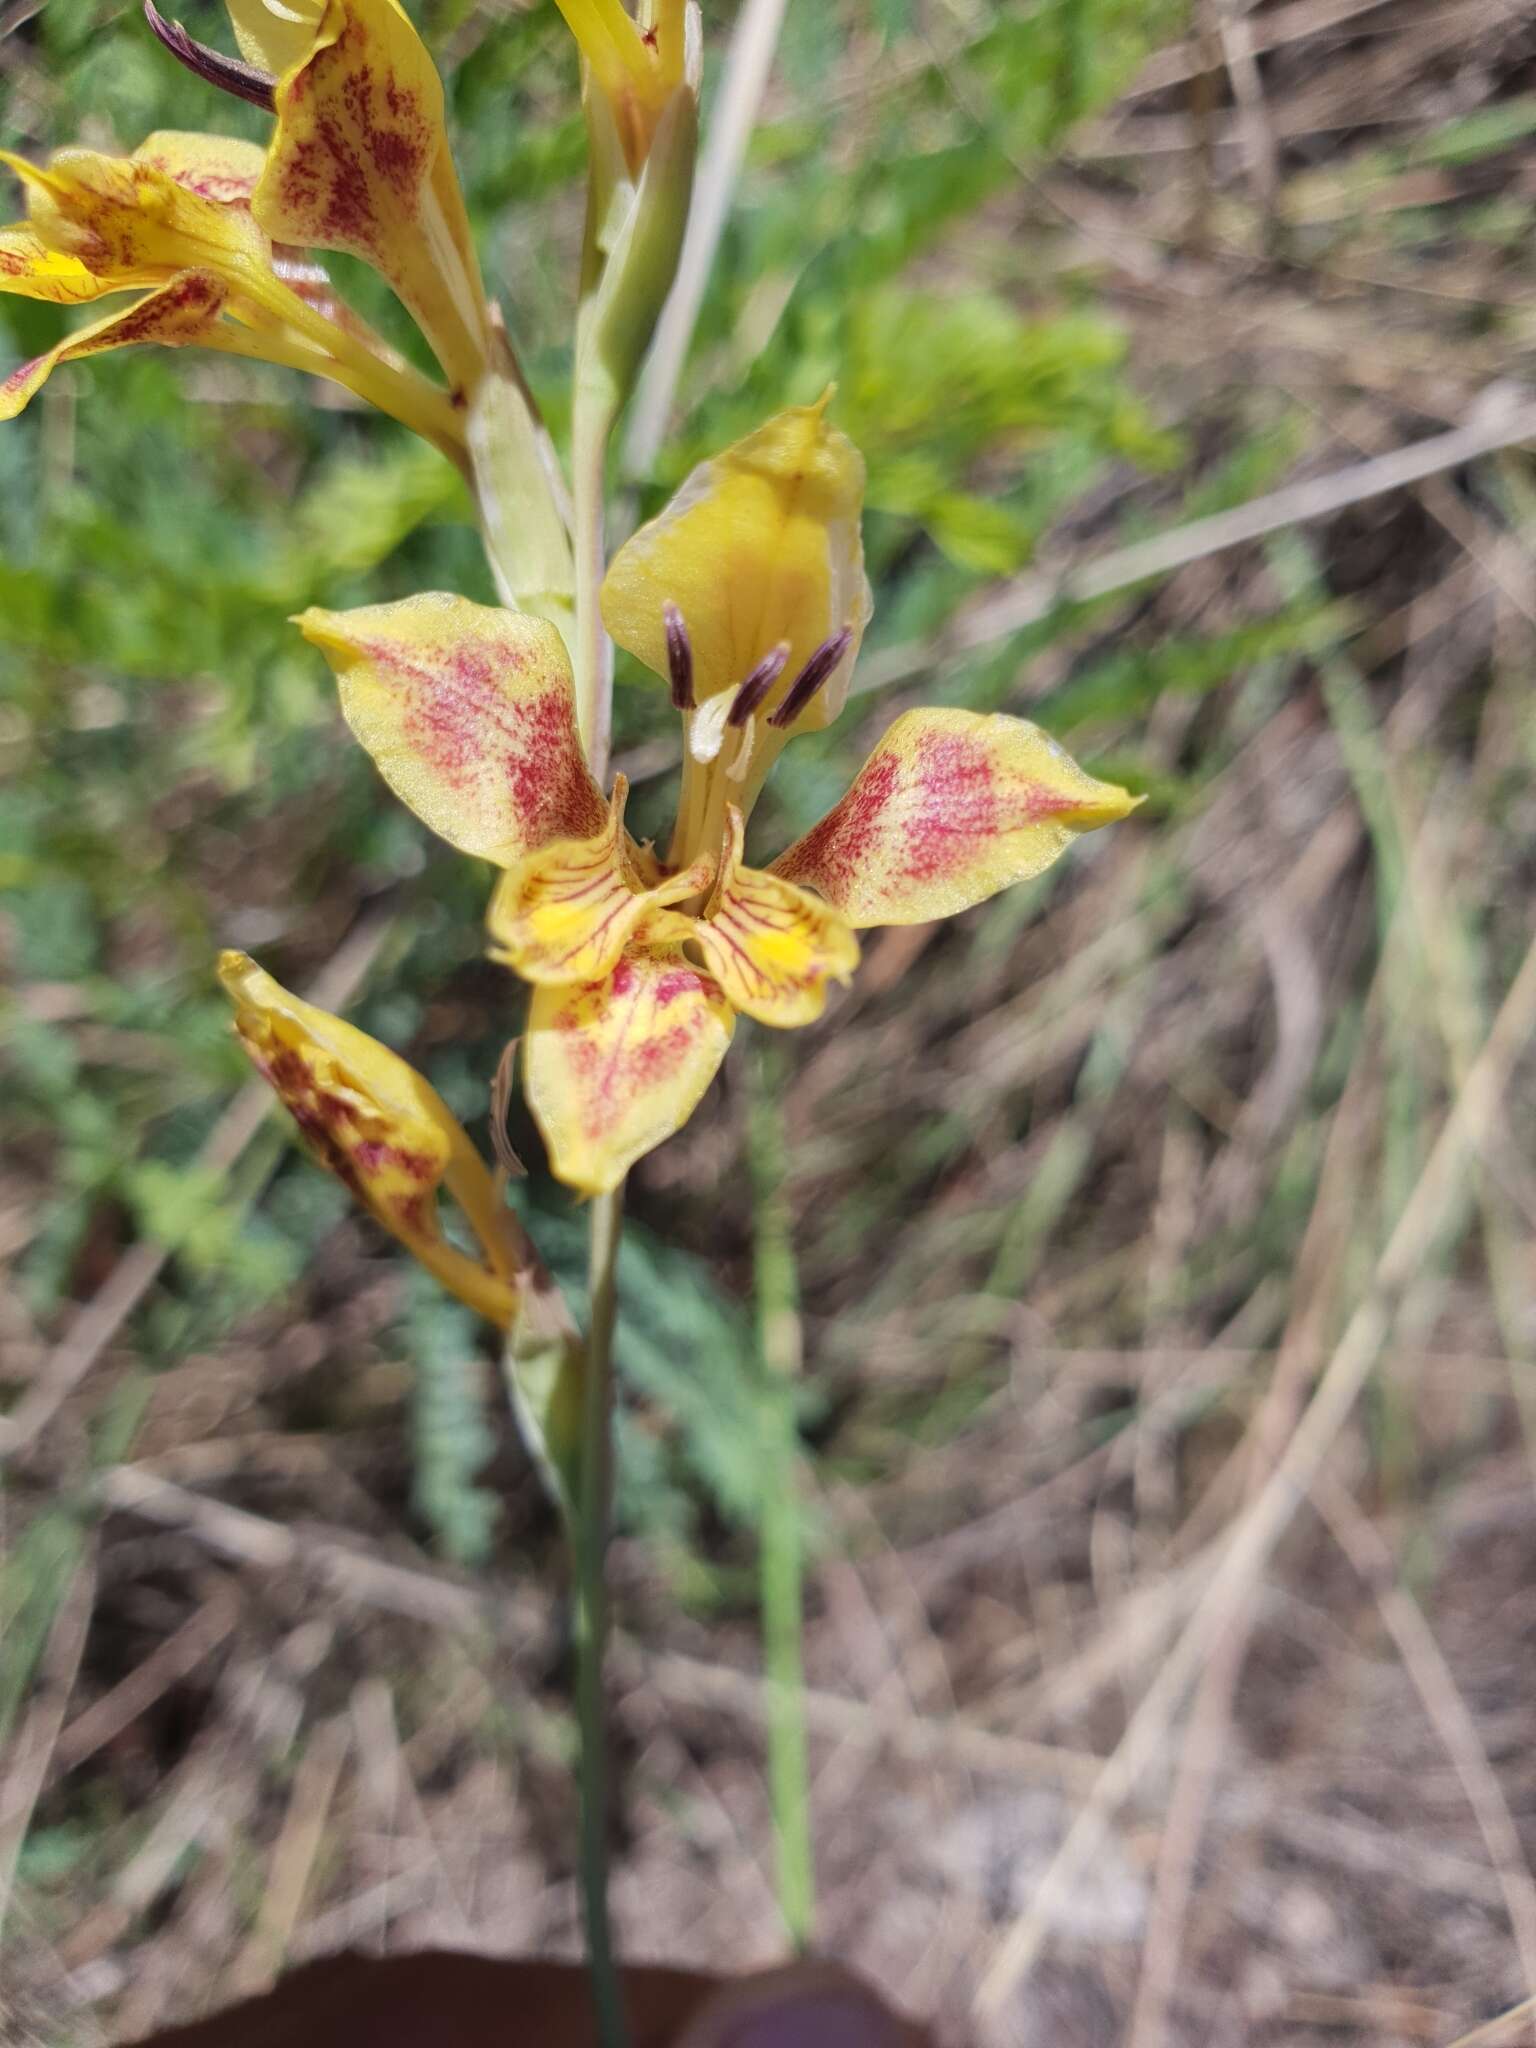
[[359, 163], [949, 808], [216, 167], [370, 1118], [31, 270], [611, 1068], [772, 947], [181, 313], [469, 715], [130, 223]]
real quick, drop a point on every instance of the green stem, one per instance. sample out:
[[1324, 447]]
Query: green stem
[[591, 426], [592, 420], [780, 1559], [591, 1544]]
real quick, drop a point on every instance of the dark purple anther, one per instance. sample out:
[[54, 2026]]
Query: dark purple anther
[[227, 73], [758, 684], [811, 678], [679, 657]]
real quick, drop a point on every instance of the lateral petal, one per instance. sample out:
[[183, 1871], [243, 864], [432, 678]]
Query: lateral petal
[[183, 312], [611, 1068], [949, 808], [470, 717], [31, 270], [373, 1121], [772, 947], [761, 544], [566, 912]]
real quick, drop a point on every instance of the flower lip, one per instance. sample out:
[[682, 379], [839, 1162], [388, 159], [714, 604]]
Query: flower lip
[[750, 695], [816, 672], [244, 81], [679, 657]]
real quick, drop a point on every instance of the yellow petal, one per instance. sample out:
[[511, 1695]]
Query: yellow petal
[[772, 947], [130, 223], [359, 163], [379, 1127], [30, 269], [274, 35], [470, 718], [185, 311], [949, 808], [219, 168], [611, 1068], [566, 912], [760, 545]]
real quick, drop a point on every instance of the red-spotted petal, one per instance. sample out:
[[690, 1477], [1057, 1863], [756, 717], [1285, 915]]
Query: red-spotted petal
[[469, 715], [216, 167], [359, 163], [183, 312], [383, 1130], [949, 808], [613, 1067], [772, 947]]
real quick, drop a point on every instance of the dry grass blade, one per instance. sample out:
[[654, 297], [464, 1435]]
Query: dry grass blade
[[1253, 1538], [1494, 424], [1443, 1702], [293, 1858], [31, 1754]]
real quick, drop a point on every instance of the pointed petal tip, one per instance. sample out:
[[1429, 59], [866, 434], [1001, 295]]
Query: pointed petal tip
[[232, 966], [1107, 806]]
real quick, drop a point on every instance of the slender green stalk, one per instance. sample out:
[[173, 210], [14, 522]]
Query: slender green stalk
[[591, 1544], [591, 425], [780, 1561]]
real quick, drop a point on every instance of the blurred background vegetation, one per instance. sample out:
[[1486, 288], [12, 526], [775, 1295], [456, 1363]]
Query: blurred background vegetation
[[1086, 1184]]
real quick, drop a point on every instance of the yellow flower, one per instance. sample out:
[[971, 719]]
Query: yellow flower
[[174, 221], [210, 228], [383, 1131], [748, 592], [359, 163]]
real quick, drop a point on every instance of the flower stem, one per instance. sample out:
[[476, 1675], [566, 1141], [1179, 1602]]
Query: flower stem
[[780, 1563], [591, 1544], [591, 425]]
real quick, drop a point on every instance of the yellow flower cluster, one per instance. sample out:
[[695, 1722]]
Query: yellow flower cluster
[[747, 595]]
